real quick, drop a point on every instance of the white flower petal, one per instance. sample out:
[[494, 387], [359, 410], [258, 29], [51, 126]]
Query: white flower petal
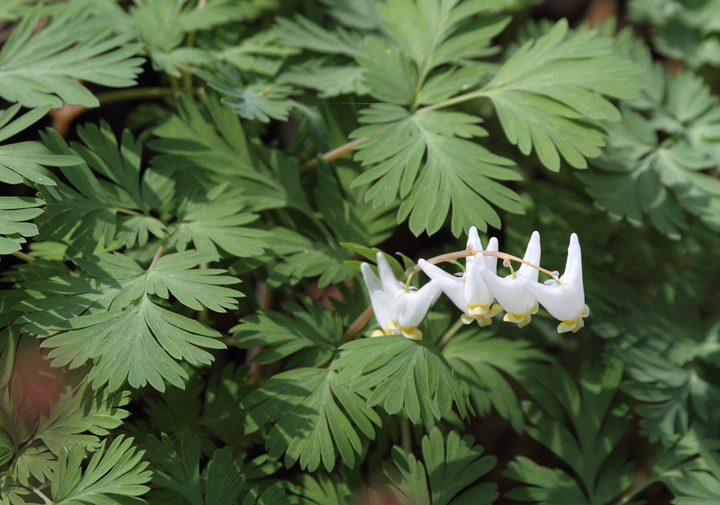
[[473, 243], [476, 291], [509, 292], [573, 267], [491, 261], [532, 255], [377, 295], [562, 302], [392, 287], [414, 305], [453, 287]]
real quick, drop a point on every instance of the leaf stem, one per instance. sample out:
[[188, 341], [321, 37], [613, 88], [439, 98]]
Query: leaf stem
[[357, 325], [42, 495], [23, 256], [450, 332], [453, 101], [126, 95], [159, 253], [331, 155]]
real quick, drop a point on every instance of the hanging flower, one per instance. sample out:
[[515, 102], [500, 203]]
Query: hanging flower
[[518, 304], [398, 308], [564, 299], [469, 293]]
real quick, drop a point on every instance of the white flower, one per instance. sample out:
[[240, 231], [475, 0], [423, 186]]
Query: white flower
[[397, 311], [469, 293], [518, 304], [564, 299]]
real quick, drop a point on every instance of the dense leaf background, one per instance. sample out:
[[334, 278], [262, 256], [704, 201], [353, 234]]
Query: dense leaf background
[[189, 188]]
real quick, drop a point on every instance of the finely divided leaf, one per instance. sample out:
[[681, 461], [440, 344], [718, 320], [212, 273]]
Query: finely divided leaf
[[454, 466], [402, 373], [117, 474], [588, 446], [215, 219], [421, 157], [311, 336], [549, 91], [481, 361], [44, 67], [308, 414]]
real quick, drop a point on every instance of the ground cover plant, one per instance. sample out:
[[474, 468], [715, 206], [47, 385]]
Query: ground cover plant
[[416, 252]]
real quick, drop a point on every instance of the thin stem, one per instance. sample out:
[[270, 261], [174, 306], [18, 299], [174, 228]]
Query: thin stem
[[357, 325], [42, 495], [450, 257], [631, 495], [125, 95], [406, 434], [158, 253], [450, 332], [453, 101], [331, 155], [23, 256]]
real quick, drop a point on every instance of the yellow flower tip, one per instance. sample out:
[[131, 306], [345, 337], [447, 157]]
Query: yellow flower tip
[[586, 311], [535, 308], [412, 333], [467, 319], [566, 326], [513, 318], [378, 333], [477, 310], [483, 321], [494, 310]]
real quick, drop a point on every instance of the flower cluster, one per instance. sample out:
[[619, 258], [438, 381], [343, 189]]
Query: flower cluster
[[399, 309]]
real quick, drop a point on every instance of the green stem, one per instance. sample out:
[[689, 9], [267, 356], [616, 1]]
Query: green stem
[[125, 95], [454, 101], [42, 495], [449, 333], [637, 490], [23, 256], [405, 434], [158, 253]]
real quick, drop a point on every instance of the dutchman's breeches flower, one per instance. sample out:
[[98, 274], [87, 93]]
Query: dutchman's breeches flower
[[564, 299], [469, 293], [510, 292], [398, 309]]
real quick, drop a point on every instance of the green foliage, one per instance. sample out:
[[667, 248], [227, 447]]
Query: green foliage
[[659, 158], [40, 68], [598, 423], [310, 337], [214, 219], [259, 99], [451, 465], [239, 158], [308, 423], [113, 313], [685, 31], [480, 361], [112, 475], [25, 160], [548, 90], [402, 373]]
